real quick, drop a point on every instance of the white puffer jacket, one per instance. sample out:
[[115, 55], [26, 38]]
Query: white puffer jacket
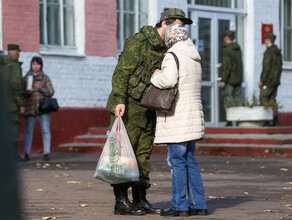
[[187, 121]]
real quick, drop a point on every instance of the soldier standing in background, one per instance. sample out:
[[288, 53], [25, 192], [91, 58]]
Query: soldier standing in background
[[271, 74], [232, 72], [142, 54], [12, 75]]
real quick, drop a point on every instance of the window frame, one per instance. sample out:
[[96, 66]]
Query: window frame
[[120, 25], [79, 31], [232, 9], [286, 64]]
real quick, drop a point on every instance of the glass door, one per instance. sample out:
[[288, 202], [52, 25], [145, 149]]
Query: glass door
[[207, 33]]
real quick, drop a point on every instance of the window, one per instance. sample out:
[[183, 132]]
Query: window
[[239, 4], [132, 15], [287, 30], [57, 23]]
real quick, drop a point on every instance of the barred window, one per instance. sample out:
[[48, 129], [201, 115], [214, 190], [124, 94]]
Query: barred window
[[132, 15], [57, 23]]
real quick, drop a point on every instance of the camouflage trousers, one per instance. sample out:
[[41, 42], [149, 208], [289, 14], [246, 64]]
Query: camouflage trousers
[[231, 95], [15, 122], [142, 143], [268, 97]]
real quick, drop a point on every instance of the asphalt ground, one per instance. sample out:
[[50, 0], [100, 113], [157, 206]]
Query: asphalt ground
[[235, 188]]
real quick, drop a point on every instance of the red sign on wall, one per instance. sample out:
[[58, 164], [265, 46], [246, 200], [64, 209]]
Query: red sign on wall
[[266, 28]]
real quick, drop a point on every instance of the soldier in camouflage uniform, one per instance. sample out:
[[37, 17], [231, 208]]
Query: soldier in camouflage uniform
[[271, 74], [12, 74], [231, 71], [142, 55]]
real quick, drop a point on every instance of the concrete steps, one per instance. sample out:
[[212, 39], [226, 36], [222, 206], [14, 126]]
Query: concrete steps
[[217, 141]]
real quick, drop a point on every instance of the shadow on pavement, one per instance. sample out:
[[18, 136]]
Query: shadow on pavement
[[213, 204]]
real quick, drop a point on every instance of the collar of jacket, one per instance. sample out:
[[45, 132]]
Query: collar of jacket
[[40, 74], [154, 38]]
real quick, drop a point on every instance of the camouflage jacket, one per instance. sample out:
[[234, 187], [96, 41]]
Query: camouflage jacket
[[142, 54], [12, 75], [232, 64], [272, 67]]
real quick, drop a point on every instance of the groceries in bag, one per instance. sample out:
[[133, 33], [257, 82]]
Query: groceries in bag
[[117, 162]]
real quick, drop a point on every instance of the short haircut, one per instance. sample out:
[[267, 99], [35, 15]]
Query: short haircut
[[37, 59], [231, 37], [168, 21]]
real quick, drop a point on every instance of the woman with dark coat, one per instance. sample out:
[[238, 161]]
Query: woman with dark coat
[[38, 86]]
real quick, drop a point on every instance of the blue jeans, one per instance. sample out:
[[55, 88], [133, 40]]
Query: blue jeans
[[45, 127], [186, 177]]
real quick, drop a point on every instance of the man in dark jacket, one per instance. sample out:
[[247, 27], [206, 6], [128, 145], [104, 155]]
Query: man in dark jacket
[[12, 75], [271, 74], [232, 73], [142, 54]]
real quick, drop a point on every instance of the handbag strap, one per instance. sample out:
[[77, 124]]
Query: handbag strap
[[176, 59]]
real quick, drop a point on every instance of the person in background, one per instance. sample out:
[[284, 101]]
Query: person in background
[[13, 90], [142, 54], [38, 86], [232, 72], [181, 128], [270, 76]]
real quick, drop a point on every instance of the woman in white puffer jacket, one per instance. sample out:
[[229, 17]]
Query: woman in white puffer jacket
[[184, 125]]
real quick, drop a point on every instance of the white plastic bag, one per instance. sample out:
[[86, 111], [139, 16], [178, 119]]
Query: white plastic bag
[[117, 162]]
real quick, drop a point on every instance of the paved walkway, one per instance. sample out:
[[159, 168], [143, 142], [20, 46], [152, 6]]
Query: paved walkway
[[236, 188]]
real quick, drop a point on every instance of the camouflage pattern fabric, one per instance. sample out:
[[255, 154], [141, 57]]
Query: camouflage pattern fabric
[[270, 77], [142, 54], [232, 64]]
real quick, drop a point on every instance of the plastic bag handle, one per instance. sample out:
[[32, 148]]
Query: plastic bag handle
[[119, 124]]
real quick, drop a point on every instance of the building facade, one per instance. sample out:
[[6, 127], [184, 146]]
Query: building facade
[[80, 40]]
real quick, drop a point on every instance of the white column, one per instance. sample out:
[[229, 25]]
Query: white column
[[79, 9], [249, 48], [152, 12]]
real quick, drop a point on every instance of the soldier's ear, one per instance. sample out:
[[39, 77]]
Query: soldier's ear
[[163, 24]]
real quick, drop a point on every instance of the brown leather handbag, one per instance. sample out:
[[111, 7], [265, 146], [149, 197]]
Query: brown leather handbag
[[160, 99]]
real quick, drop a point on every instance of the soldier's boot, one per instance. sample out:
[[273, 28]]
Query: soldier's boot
[[140, 201], [123, 206]]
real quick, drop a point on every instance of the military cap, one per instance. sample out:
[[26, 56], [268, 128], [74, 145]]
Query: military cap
[[229, 33], [175, 13], [13, 47], [270, 36]]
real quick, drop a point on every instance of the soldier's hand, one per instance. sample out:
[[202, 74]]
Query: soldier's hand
[[22, 110], [120, 110], [219, 65], [222, 84], [260, 84]]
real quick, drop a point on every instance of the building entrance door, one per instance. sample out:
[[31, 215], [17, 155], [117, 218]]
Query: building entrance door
[[208, 34]]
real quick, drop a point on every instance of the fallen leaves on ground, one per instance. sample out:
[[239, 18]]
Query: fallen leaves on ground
[[246, 193], [49, 217], [83, 205], [290, 183], [58, 165], [73, 182], [268, 210], [262, 167], [283, 169], [289, 188], [40, 190], [289, 205], [154, 184], [66, 175], [215, 197]]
